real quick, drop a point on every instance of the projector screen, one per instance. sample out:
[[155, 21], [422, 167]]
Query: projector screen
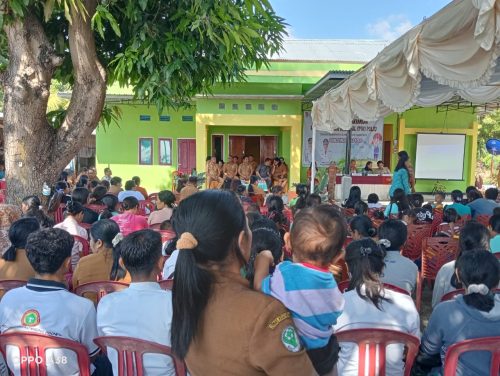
[[440, 156]]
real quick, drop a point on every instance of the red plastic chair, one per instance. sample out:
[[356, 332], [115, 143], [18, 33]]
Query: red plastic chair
[[100, 288], [451, 295], [85, 245], [483, 219], [97, 208], [436, 220], [145, 208], [435, 253], [491, 344], [379, 339], [445, 228], [33, 347], [344, 285], [167, 284], [131, 353], [10, 284], [166, 235], [155, 226], [413, 246], [59, 214]]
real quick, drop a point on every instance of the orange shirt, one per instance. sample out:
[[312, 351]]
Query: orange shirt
[[142, 191], [231, 169], [20, 268], [245, 170]]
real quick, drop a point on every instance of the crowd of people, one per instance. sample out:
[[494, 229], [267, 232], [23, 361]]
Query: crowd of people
[[255, 284]]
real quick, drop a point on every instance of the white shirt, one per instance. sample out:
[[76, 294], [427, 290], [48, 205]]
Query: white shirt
[[70, 224], [442, 284], [377, 205], [46, 307], [142, 311], [399, 314], [124, 194], [169, 266], [400, 271]]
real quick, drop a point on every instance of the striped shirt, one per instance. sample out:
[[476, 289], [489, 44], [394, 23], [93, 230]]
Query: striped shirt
[[312, 296]]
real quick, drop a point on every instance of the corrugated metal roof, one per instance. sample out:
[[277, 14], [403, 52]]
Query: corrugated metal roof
[[348, 50]]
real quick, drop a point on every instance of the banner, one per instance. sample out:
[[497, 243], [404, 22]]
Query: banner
[[366, 143]]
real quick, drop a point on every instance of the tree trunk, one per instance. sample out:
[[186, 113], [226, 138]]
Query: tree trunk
[[35, 152]]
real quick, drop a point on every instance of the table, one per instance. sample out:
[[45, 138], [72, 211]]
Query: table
[[379, 184]]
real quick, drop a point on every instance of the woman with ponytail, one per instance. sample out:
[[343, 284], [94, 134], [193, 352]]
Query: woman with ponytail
[[32, 207], [14, 264], [71, 224], [221, 326], [369, 305], [362, 227], [103, 264], [476, 314]]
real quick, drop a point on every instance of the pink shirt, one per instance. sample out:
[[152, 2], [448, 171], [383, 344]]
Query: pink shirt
[[129, 223]]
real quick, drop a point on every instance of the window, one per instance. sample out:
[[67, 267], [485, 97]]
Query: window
[[274, 107], [145, 151], [164, 118], [235, 106], [262, 107], [187, 118], [248, 106], [222, 106], [144, 118], [165, 151]]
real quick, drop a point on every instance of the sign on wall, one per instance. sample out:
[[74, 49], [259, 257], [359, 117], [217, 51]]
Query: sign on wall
[[366, 143]]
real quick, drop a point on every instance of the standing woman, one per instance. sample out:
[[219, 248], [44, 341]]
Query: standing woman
[[220, 326], [401, 177]]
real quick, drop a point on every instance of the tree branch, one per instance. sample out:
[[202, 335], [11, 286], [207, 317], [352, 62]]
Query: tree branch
[[89, 90]]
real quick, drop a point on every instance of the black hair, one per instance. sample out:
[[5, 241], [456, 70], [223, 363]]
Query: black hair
[[276, 189], [167, 197], [365, 260], [301, 190], [33, 203], [275, 209], [313, 200], [115, 180], [93, 184], [129, 185], [110, 201], [166, 225], [61, 185], [496, 211], [265, 236], [373, 198], [450, 215], [474, 195], [215, 219], [83, 181], [80, 195], [491, 194], [416, 200], [74, 208], [363, 225], [457, 196], [106, 230], [140, 252], [253, 216], [360, 208], [98, 193], [137, 180], [105, 184], [130, 203], [241, 189], [399, 198], [395, 231], [18, 234], [478, 268], [47, 249], [369, 163], [193, 180], [254, 179], [403, 158], [470, 188], [379, 162], [354, 196], [495, 223]]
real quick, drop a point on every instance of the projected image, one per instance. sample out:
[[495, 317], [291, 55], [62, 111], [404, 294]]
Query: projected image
[[440, 156]]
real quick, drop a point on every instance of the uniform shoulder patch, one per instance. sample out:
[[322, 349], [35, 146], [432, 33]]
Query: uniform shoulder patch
[[290, 339], [280, 318]]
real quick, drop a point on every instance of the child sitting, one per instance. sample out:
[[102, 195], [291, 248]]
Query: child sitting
[[398, 203], [475, 314], [439, 200], [495, 233], [316, 239], [373, 201], [448, 227], [360, 208]]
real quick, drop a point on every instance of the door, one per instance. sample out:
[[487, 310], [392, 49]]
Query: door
[[186, 161], [217, 146], [268, 147], [237, 146]]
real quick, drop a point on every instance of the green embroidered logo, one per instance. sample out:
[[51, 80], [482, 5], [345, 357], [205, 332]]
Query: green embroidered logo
[[30, 318], [290, 339]]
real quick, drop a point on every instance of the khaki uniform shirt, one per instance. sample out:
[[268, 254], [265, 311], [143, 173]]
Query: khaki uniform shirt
[[20, 268], [245, 170], [254, 165], [231, 170], [213, 171], [280, 172], [187, 191], [244, 332]]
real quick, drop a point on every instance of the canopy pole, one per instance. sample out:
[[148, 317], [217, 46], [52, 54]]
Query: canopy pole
[[313, 158], [348, 152]]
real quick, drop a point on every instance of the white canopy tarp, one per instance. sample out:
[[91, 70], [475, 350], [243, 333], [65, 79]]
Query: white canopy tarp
[[454, 52]]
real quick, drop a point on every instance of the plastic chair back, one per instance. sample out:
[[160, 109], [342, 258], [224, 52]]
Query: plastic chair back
[[96, 208], [166, 235], [437, 219], [452, 294], [145, 208], [100, 288], [379, 339], [59, 214], [32, 350], [483, 219], [491, 344], [167, 284], [85, 245], [9, 284], [413, 246], [131, 352]]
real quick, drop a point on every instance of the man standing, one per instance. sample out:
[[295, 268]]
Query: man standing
[[231, 168], [245, 170], [264, 172]]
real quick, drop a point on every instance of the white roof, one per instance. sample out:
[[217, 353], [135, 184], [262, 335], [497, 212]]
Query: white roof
[[338, 50]]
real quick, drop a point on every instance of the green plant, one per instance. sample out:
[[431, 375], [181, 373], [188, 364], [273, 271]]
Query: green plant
[[438, 187]]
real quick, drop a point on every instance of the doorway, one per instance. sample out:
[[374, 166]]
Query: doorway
[[218, 146], [261, 147], [186, 161]]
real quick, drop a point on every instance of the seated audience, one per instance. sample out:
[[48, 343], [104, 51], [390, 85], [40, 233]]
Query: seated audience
[[369, 305], [495, 233], [111, 203], [362, 227], [103, 264], [360, 208], [313, 200], [116, 185], [165, 205], [473, 236], [97, 195], [422, 212], [439, 198], [448, 227], [354, 196], [399, 270], [63, 188], [105, 184], [81, 195], [14, 264], [31, 206], [476, 314], [108, 175], [8, 215], [129, 221], [398, 204], [301, 191], [315, 240], [190, 189], [484, 206], [130, 191], [45, 305], [409, 217], [144, 299], [373, 201], [242, 193], [255, 191], [220, 326], [275, 208], [462, 210], [138, 188]]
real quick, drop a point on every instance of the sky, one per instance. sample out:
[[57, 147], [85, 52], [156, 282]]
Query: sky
[[354, 19]]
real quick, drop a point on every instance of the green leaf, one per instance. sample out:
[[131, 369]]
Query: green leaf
[[48, 8], [143, 4]]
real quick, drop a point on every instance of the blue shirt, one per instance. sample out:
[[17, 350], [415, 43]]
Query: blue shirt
[[391, 209], [495, 244], [400, 179], [461, 209], [482, 206]]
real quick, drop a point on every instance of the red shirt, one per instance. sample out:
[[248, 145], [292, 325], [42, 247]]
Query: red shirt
[[129, 223]]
